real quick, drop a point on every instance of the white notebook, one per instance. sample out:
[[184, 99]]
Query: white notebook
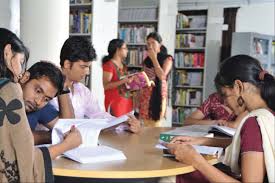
[[88, 151]]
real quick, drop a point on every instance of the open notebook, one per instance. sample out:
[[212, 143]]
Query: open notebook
[[89, 151]]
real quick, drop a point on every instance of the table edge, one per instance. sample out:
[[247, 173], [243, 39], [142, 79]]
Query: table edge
[[126, 174]]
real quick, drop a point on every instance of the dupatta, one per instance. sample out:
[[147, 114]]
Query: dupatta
[[20, 161]]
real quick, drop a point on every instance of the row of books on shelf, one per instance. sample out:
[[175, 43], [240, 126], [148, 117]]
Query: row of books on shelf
[[188, 78], [133, 14], [183, 59], [194, 21], [135, 33], [136, 56], [80, 1], [190, 40], [188, 97], [80, 21], [179, 114]]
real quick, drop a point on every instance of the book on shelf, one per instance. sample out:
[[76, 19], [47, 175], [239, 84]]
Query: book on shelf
[[80, 1], [188, 97], [80, 21], [136, 56], [191, 21], [137, 14], [135, 33], [88, 151], [194, 60], [138, 81], [188, 78], [193, 97], [179, 114], [190, 40]]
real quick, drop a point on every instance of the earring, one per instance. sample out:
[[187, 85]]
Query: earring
[[240, 101]]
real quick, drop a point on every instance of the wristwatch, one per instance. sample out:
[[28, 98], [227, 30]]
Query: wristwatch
[[64, 91]]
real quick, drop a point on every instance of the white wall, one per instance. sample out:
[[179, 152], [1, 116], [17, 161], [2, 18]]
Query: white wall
[[44, 28], [167, 27], [256, 18], [104, 29], [10, 15]]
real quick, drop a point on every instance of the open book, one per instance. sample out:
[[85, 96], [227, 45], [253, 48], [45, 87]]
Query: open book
[[222, 130], [206, 150], [183, 131], [88, 151], [139, 81], [214, 129]]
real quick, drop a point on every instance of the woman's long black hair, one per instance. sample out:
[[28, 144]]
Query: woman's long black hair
[[155, 102], [114, 44], [247, 69], [17, 46]]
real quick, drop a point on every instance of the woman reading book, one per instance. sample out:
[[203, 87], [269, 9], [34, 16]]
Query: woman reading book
[[118, 99], [250, 155], [157, 65], [20, 161], [214, 111]]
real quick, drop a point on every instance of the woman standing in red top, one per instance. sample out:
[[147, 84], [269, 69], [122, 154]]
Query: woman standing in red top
[[117, 99]]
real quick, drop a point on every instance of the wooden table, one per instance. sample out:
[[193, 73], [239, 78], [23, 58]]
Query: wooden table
[[143, 159]]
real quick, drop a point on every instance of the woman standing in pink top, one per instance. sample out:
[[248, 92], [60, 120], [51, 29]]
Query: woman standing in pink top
[[157, 65]]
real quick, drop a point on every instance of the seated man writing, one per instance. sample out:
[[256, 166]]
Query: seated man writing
[[76, 58]]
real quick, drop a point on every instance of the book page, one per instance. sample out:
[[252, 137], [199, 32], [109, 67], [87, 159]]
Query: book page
[[207, 150], [88, 128], [224, 129], [95, 154]]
